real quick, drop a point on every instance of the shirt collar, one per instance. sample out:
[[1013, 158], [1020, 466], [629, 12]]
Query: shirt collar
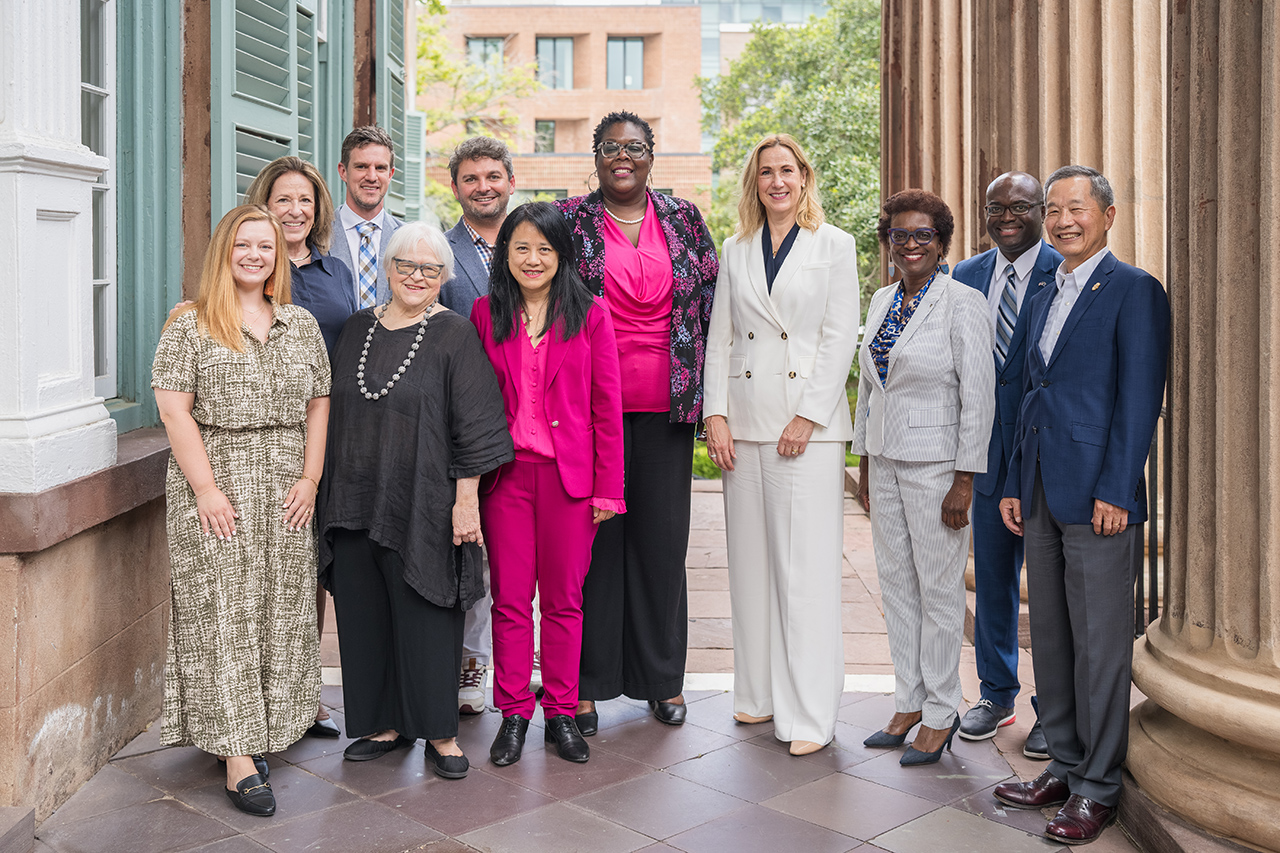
[[350, 219], [475, 236], [1023, 264], [1080, 276]]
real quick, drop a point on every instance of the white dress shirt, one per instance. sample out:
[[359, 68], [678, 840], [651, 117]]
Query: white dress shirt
[[1023, 265], [349, 219], [1070, 286]]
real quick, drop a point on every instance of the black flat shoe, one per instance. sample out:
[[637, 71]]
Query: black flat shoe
[[448, 766], [323, 728], [915, 758], [668, 712], [259, 764], [367, 750], [588, 723], [509, 743], [563, 732], [253, 796]]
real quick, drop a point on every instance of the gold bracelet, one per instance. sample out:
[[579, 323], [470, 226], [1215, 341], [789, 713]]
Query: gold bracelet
[[313, 482]]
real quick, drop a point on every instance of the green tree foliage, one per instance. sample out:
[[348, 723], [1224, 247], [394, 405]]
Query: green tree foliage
[[821, 83]]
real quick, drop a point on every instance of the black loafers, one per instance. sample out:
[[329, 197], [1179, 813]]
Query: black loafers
[[588, 723], [367, 750], [259, 764], [448, 766], [563, 732], [253, 796], [668, 712], [509, 743], [323, 728]]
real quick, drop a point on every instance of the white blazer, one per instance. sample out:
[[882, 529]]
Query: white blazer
[[938, 400], [772, 356]]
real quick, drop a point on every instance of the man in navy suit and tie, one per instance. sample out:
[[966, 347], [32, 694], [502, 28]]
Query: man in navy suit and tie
[[1009, 275], [482, 181], [1097, 350]]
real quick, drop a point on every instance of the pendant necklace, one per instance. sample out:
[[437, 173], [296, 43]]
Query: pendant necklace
[[404, 365]]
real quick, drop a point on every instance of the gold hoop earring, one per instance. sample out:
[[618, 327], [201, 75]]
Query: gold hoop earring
[[591, 189]]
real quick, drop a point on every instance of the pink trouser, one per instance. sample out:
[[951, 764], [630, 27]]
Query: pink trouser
[[538, 537]]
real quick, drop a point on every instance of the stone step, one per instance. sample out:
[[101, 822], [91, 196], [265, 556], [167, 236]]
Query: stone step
[[17, 830]]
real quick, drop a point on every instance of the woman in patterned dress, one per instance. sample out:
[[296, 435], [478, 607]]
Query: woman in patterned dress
[[242, 385]]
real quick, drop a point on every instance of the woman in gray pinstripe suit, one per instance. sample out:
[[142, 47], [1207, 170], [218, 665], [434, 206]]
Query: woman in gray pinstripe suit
[[925, 403]]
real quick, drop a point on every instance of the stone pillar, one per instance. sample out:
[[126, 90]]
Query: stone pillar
[[52, 427], [1206, 744]]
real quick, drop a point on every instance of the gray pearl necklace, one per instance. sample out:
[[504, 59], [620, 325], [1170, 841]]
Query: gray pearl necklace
[[404, 365]]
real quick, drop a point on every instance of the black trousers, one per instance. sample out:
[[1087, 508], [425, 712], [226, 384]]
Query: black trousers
[[635, 604], [401, 654]]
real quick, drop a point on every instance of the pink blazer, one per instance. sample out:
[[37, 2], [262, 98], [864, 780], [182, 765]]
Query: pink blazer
[[583, 400]]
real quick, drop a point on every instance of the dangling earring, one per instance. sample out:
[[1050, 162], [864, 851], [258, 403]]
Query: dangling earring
[[944, 268], [591, 189], [892, 271]]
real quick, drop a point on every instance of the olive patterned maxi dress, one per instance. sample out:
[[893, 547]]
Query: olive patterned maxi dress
[[243, 665]]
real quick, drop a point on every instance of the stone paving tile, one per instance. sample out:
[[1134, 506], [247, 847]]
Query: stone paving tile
[[964, 833], [844, 751], [557, 828], [985, 805], [314, 747], [851, 806], [950, 779], [867, 648], [161, 826], [175, 768], [755, 829], [297, 793], [710, 603], [455, 807], [360, 826], [235, 844], [716, 713], [659, 805], [710, 660], [148, 741], [748, 772], [659, 746], [541, 769], [111, 788], [393, 771], [705, 579], [709, 632]]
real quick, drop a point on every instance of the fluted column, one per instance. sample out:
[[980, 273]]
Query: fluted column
[[1207, 742]]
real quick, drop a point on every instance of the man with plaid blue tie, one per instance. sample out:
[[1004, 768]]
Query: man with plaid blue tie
[[1019, 266], [368, 162]]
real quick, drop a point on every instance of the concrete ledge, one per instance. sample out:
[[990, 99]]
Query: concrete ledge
[[34, 522], [17, 830], [1156, 830]]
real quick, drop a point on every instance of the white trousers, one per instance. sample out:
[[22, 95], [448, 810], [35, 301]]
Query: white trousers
[[920, 562], [785, 526], [477, 630]]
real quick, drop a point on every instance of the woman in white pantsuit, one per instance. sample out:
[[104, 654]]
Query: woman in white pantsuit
[[925, 403], [783, 334]]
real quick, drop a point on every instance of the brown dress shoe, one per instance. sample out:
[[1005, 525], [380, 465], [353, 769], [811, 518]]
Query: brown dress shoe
[[1044, 790], [1080, 821]]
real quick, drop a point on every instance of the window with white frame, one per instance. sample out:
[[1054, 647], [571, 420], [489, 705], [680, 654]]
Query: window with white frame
[[98, 134]]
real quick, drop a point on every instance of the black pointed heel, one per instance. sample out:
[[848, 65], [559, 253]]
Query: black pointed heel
[[915, 758]]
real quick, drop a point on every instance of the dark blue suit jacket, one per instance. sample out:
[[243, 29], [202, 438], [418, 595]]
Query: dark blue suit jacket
[[1089, 413], [976, 272], [470, 279]]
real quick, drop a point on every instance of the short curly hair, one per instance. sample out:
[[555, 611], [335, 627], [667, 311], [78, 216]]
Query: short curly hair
[[621, 117], [925, 202]]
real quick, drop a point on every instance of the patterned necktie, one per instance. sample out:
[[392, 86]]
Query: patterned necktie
[[367, 278], [1006, 317]]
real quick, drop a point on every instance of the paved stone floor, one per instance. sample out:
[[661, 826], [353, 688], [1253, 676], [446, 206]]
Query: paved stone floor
[[711, 785]]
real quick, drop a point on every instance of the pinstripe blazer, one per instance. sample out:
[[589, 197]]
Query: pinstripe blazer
[[942, 399]]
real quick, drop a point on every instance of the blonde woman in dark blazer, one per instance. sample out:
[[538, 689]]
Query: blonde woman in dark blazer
[[783, 334], [925, 403]]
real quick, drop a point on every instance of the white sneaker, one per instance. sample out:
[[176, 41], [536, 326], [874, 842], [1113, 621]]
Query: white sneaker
[[471, 688], [535, 677]]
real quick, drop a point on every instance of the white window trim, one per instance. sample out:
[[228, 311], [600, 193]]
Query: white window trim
[[105, 340]]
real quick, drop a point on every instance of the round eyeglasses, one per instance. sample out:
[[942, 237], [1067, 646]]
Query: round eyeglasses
[[635, 150], [431, 272], [1018, 208], [924, 236]]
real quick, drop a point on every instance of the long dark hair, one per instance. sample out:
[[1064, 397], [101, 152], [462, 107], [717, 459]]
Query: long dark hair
[[569, 300]]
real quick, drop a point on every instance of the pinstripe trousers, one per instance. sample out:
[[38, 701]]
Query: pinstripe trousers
[[920, 563], [784, 520]]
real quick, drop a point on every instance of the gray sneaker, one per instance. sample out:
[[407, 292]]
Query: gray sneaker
[[983, 719]]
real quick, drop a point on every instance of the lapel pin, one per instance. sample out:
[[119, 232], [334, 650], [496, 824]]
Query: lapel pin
[[1096, 285], [1043, 283]]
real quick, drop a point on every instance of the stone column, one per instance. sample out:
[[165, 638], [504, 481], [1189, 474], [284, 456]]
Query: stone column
[[52, 427], [1206, 744]]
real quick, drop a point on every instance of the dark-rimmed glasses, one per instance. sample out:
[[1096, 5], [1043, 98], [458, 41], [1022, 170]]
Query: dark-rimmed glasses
[[635, 150], [924, 236], [1018, 208], [431, 272]]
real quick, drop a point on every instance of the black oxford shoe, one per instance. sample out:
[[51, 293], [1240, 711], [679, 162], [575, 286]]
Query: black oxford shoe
[[1042, 791], [509, 743], [563, 732], [668, 712]]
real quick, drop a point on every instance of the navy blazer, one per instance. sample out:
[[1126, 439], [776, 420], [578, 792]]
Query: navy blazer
[[470, 278], [1089, 413], [976, 272]]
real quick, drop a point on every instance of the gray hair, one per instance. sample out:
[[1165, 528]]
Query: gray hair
[[1099, 186], [411, 234], [481, 148]]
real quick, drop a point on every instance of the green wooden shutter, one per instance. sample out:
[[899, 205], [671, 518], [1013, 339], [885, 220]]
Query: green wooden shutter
[[390, 92], [306, 65], [414, 164]]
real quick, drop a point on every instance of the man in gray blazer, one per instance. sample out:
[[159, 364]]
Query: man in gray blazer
[[481, 177], [364, 226]]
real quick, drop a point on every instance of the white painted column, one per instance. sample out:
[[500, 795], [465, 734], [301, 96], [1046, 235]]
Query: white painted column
[[53, 428]]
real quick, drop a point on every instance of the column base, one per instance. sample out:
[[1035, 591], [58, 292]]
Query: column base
[[1230, 794], [35, 463]]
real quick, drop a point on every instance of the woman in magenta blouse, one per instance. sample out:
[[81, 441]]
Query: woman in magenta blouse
[[651, 259], [553, 349]]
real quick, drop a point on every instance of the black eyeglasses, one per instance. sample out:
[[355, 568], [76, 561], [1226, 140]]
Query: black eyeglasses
[[924, 236], [635, 150], [431, 272], [1018, 208]]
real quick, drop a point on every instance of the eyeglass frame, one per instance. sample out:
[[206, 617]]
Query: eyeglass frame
[[907, 235], [645, 150], [1001, 208], [430, 272]]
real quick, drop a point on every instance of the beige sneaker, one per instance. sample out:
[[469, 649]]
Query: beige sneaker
[[471, 688]]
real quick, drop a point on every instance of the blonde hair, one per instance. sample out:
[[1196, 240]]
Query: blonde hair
[[217, 306], [259, 193], [751, 210]]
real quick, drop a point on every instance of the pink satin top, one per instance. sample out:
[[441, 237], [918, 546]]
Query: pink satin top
[[637, 288]]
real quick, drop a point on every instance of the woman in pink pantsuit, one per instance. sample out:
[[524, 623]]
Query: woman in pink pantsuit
[[553, 349]]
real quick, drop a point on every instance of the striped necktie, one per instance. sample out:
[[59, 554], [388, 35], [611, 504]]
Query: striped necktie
[[367, 277], [1006, 317]]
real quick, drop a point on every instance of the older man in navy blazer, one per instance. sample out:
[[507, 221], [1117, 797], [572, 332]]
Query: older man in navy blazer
[[482, 181], [1008, 275], [1097, 350]]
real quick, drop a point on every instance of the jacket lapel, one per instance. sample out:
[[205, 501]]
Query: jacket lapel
[[875, 319], [755, 272], [936, 290], [795, 259], [1093, 288]]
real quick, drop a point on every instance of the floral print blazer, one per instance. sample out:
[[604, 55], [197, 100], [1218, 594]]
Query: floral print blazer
[[694, 266]]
